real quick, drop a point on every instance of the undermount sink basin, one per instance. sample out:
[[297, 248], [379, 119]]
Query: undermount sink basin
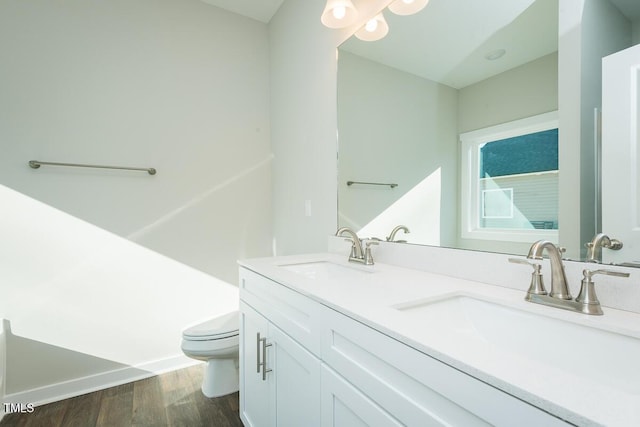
[[606, 357], [325, 270]]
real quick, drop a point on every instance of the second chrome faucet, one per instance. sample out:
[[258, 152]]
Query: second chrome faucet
[[586, 302]]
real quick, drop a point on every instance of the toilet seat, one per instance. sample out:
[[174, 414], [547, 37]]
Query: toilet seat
[[225, 326]]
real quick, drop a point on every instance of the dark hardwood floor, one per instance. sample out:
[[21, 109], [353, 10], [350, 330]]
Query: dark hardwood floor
[[171, 399]]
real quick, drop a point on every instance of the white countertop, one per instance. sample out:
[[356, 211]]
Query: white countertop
[[575, 394]]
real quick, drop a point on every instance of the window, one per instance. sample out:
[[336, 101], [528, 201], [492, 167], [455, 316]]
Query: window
[[510, 181]]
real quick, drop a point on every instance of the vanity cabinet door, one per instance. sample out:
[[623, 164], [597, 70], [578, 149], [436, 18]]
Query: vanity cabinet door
[[279, 379], [255, 396], [296, 378]]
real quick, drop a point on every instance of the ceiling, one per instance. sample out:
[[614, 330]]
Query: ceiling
[[449, 40], [261, 10]]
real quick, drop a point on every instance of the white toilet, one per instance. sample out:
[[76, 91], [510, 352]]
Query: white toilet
[[216, 342]]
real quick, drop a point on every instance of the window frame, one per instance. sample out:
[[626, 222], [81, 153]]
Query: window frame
[[470, 195]]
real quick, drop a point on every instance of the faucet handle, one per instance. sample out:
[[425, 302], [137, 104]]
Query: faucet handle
[[353, 246], [522, 261], [536, 287], [371, 241], [368, 258], [587, 296], [535, 265], [588, 274], [614, 245]]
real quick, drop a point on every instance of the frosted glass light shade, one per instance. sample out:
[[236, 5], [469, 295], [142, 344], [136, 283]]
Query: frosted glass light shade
[[407, 7], [339, 14], [375, 29]]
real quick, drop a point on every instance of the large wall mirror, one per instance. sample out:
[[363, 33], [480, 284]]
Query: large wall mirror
[[458, 74]]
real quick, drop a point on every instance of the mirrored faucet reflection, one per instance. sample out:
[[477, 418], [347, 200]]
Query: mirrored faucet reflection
[[391, 237], [601, 240]]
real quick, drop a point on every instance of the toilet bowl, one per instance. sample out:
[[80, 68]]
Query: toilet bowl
[[215, 341]]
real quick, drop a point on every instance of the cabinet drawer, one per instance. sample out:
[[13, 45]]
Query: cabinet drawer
[[287, 309], [414, 388]]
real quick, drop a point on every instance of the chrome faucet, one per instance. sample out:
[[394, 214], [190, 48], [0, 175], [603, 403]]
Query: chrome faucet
[[601, 240], [392, 236], [586, 302], [559, 288], [357, 254]]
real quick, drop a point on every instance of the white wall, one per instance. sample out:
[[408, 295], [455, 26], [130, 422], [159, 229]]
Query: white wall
[[178, 85], [303, 123], [396, 127], [89, 308]]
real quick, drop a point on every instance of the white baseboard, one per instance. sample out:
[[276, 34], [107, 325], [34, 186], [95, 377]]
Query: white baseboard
[[79, 386]]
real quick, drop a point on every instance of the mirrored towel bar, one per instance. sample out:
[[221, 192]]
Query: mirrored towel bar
[[350, 183], [35, 164]]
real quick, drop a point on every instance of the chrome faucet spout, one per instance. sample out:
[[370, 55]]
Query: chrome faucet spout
[[356, 243], [559, 287]]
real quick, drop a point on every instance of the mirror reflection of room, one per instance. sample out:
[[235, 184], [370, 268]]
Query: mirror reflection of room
[[407, 101], [404, 100]]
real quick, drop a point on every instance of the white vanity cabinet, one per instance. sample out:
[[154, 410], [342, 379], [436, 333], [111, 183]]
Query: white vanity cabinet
[[331, 370]]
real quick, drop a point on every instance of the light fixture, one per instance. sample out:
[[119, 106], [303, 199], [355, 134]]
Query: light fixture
[[407, 7], [339, 14], [342, 13], [375, 29]]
